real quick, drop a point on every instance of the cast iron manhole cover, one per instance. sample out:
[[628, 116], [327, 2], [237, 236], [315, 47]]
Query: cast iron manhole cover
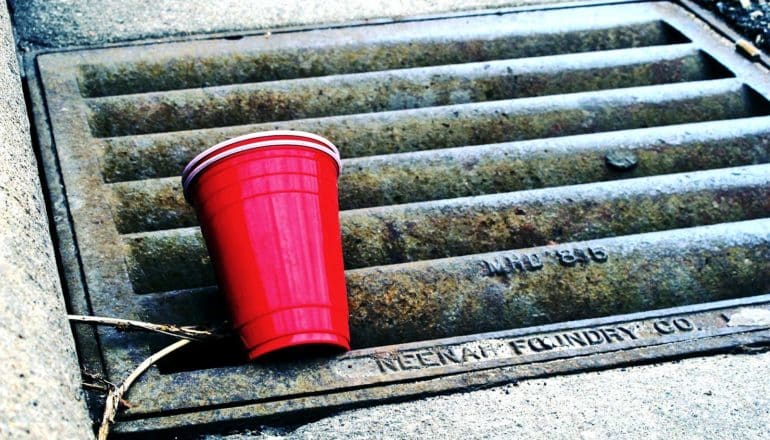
[[524, 193]]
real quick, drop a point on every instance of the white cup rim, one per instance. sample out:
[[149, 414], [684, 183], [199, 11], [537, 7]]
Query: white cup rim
[[256, 135], [189, 175]]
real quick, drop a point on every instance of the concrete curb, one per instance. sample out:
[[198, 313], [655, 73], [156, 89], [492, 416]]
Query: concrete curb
[[39, 381]]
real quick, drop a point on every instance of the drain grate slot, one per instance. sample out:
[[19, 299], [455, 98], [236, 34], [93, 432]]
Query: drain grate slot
[[505, 175]]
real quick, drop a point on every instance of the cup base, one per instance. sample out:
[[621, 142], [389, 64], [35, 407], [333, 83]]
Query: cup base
[[300, 345], [305, 325]]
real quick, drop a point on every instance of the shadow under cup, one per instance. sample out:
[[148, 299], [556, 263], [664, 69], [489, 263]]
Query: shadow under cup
[[268, 210]]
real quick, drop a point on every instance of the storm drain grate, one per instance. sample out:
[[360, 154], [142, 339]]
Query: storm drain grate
[[506, 175]]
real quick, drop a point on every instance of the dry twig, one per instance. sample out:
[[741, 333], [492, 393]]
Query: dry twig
[[116, 394], [115, 399], [97, 378], [106, 389], [184, 332]]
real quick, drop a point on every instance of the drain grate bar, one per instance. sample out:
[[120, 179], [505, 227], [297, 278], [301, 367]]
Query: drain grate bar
[[618, 275], [541, 285], [464, 124], [501, 171], [422, 231], [152, 204], [352, 50], [397, 90]]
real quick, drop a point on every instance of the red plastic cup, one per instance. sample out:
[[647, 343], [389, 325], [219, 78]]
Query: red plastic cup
[[268, 210]]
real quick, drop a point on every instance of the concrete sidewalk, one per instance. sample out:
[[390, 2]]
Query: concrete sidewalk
[[725, 396]]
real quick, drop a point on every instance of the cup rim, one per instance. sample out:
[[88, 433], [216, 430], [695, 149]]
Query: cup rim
[[188, 177], [255, 136]]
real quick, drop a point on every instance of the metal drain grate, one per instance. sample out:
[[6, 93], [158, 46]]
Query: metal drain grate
[[507, 173]]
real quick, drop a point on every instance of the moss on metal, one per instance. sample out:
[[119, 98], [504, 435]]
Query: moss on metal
[[150, 205], [187, 69], [454, 297], [442, 229], [383, 91], [379, 236], [151, 269], [513, 167], [162, 155], [158, 204]]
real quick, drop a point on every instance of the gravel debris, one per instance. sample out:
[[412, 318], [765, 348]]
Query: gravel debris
[[749, 17]]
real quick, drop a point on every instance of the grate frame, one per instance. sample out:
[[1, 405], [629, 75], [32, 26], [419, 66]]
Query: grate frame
[[322, 385]]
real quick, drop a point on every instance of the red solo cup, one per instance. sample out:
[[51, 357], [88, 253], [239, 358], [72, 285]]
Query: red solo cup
[[268, 210]]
